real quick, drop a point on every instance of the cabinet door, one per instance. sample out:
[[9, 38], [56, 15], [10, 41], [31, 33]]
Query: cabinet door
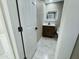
[[49, 31], [27, 10]]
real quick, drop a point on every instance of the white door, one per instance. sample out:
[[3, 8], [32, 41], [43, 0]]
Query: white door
[[27, 10], [6, 51]]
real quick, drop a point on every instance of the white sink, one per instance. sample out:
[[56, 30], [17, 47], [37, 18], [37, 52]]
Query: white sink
[[46, 24]]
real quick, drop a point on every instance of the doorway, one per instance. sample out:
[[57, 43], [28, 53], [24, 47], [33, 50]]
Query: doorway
[[46, 46], [38, 19]]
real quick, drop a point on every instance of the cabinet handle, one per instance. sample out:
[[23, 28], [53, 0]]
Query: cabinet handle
[[36, 28]]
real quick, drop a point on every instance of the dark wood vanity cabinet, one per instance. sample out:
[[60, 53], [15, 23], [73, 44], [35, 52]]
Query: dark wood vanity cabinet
[[49, 31]]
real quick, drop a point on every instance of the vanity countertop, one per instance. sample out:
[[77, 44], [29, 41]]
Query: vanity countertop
[[45, 24]]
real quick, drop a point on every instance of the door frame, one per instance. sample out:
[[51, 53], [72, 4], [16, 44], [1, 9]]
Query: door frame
[[7, 18], [68, 30]]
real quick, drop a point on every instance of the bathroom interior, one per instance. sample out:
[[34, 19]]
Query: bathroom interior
[[40, 20], [39, 29], [49, 12]]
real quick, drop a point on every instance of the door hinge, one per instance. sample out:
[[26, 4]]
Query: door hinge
[[20, 29]]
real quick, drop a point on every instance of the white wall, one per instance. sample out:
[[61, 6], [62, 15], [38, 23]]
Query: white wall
[[6, 51], [75, 53], [69, 29], [55, 7]]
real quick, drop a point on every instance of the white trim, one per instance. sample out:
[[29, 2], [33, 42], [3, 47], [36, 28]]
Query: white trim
[[9, 26]]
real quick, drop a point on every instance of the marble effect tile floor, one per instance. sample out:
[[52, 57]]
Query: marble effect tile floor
[[45, 48]]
